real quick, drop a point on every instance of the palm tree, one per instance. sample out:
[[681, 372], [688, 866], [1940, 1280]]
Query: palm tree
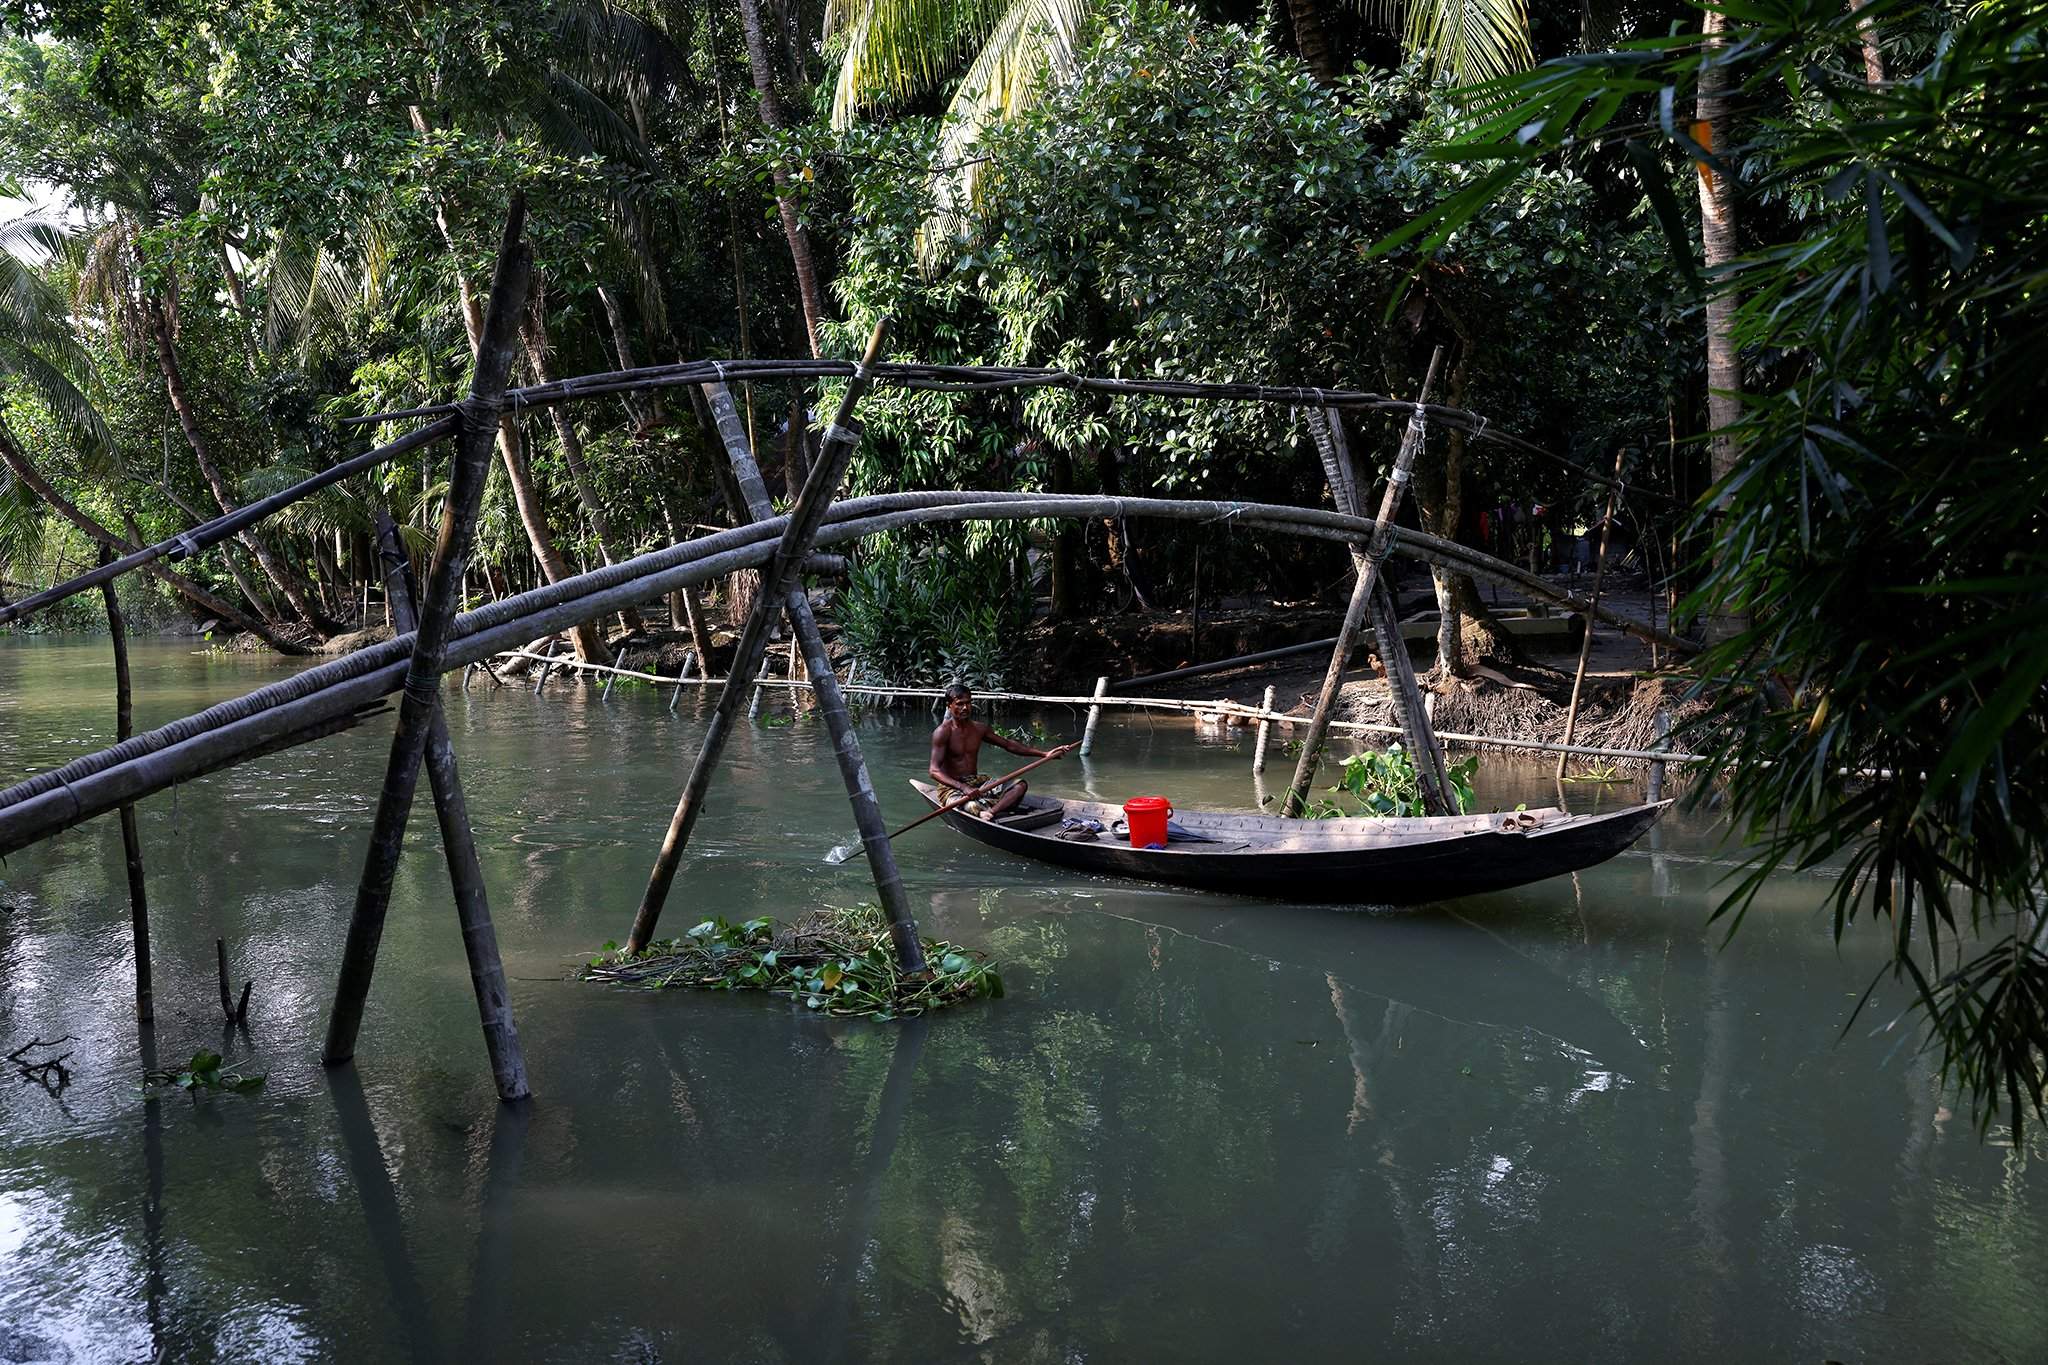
[[894, 50], [40, 352]]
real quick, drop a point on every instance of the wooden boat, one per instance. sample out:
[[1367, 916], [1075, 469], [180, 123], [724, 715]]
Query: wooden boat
[[1367, 862]]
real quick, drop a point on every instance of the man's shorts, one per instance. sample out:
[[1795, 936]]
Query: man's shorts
[[988, 799]]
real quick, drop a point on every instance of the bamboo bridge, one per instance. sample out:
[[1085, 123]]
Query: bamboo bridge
[[434, 637]]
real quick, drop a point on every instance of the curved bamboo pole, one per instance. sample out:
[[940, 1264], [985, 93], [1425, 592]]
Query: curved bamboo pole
[[325, 695]]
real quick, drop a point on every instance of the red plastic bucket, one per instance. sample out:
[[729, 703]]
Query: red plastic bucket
[[1146, 816]]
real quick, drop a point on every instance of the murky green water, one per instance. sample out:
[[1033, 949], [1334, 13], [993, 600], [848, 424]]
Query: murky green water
[[1553, 1124]]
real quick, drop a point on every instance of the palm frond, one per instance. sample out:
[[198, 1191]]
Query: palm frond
[[1464, 40], [576, 119], [892, 50], [66, 402], [609, 49], [1035, 42]]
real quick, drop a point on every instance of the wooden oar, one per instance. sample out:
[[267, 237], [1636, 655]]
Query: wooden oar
[[846, 851]]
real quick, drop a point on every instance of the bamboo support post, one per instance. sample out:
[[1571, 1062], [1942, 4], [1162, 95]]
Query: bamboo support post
[[131, 834], [1411, 708], [1367, 562], [458, 844], [1656, 792], [1571, 712], [1095, 716], [471, 462], [799, 535], [831, 699], [1265, 730]]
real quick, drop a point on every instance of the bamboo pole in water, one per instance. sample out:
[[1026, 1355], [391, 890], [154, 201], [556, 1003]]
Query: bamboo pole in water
[[1571, 712], [1367, 562], [1265, 730], [800, 533], [853, 767], [131, 836], [1094, 716], [458, 843], [471, 463]]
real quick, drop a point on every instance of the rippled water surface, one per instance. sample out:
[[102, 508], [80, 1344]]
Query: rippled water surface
[[1550, 1124]]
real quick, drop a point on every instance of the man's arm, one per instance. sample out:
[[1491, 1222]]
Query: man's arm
[[1017, 747]]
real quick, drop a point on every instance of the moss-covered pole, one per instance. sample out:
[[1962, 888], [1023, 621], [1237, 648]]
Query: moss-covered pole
[[799, 533], [853, 767], [1368, 564], [479, 432], [458, 842]]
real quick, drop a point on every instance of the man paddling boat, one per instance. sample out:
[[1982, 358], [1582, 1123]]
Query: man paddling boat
[[956, 756]]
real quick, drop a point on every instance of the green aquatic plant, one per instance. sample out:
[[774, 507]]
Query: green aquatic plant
[[204, 1072], [836, 961], [1384, 782]]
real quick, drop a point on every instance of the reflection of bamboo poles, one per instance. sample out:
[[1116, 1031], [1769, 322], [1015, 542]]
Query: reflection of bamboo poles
[[894, 1106], [383, 1215]]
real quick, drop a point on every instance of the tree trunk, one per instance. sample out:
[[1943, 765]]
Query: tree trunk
[[17, 460], [785, 202], [534, 330], [188, 422], [1719, 247], [1066, 587], [644, 404], [1306, 18], [794, 466], [1873, 55], [590, 647]]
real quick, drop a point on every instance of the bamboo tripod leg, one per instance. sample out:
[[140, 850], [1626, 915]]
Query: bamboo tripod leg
[[465, 871], [798, 536], [831, 699], [430, 642], [1571, 714], [131, 835], [1367, 559], [1411, 709]]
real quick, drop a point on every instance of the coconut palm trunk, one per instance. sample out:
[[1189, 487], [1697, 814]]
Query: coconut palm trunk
[[1718, 246], [1306, 18], [188, 421], [534, 331], [785, 200], [589, 643]]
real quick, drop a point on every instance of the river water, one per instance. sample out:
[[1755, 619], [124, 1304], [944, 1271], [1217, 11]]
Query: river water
[[1550, 1124]]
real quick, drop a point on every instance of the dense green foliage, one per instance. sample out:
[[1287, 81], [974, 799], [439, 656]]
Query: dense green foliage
[[1883, 534]]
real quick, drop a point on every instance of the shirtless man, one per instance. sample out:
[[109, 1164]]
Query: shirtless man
[[956, 754]]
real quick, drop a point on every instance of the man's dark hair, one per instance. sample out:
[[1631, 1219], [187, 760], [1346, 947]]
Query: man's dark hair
[[957, 692]]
